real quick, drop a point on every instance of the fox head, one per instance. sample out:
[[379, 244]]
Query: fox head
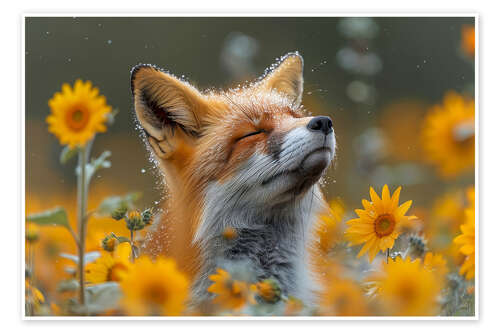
[[245, 149]]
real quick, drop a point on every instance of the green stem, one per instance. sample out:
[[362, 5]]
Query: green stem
[[132, 257], [82, 218], [30, 310]]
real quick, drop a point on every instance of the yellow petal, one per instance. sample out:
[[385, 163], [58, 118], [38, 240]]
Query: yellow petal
[[367, 205], [386, 243], [386, 198], [366, 247], [377, 203], [467, 249], [401, 210], [395, 199], [374, 250]]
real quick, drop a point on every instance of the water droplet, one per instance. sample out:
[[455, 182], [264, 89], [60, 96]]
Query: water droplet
[[47, 32], [110, 41], [69, 59], [143, 170]]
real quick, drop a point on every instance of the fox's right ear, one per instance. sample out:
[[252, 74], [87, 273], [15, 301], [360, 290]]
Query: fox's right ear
[[168, 109], [286, 77]]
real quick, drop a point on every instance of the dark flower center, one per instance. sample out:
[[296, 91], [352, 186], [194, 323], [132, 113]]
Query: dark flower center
[[384, 225], [77, 119]]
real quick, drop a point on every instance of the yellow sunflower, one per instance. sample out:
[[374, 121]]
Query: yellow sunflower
[[77, 113], [268, 290], [436, 263], [407, 288], [467, 240], [469, 40], [378, 224], [110, 266], [343, 297], [32, 233], [327, 227], [448, 135], [446, 216], [229, 293], [229, 233], [154, 288], [33, 295]]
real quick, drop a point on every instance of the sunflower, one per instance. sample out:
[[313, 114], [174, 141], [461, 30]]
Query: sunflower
[[77, 113], [154, 288], [268, 290], [407, 288], [33, 295], [379, 222], [448, 135], [229, 293], [469, 40], [50, 268], [229, 233], [466, 240], [32, 233], [435, 263], [110, 266], [446, 216], [327, 227], [343, 297]]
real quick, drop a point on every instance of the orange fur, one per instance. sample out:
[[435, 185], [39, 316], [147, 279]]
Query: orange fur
[[194, 145]]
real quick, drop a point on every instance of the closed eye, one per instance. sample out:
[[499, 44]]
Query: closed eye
[[250, 134]]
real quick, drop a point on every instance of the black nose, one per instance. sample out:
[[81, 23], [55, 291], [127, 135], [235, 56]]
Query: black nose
[[321, 123]]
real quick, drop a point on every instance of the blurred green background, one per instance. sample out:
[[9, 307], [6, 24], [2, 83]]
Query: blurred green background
[[375, 77]]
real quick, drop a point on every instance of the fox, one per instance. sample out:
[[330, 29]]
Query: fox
[[247, 159]]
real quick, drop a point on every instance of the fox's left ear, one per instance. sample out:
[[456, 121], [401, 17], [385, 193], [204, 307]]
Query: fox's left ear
[[286, 77]]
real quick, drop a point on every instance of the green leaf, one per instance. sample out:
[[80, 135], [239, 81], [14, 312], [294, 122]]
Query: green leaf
[[56, 216], [68, 153], [98, 298], [103, 296], [111, 116], [70, 270], [87, 258], [67, 285], [94, 165], [122, 239], [110, 204]]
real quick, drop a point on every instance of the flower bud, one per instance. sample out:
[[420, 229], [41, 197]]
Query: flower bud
[[147, 216], [418, 245], [32, 233], [119, 213], [230, 233], [269, 290], [109, 242], [134, 220]]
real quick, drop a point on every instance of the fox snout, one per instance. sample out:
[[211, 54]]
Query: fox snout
[[318, 159], [316, 155], [321, 124]]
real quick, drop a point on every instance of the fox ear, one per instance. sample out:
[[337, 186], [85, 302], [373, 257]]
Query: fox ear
[[164, 104], [286, 77]]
